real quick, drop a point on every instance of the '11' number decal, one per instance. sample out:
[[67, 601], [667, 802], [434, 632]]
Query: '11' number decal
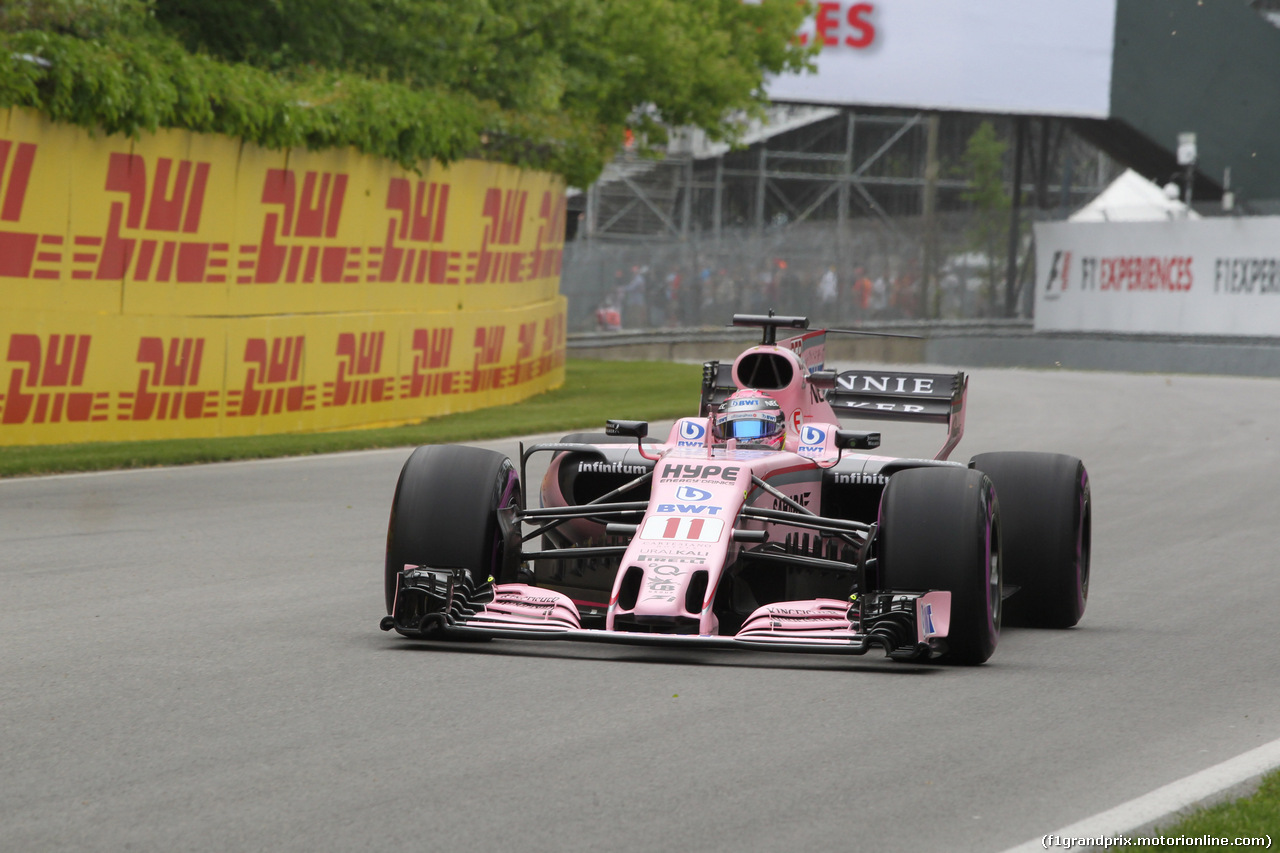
[[676, 528]]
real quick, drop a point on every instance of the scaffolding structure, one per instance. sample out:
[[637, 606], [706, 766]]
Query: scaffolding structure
[[869, 194]]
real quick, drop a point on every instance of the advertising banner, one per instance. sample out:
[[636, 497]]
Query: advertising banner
[[179, 223], [1183, 277], [82, 377], [185, 285], [1050, 57]]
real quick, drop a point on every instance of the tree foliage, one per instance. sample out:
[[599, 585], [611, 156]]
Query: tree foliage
[[545, 83], [983, 166]]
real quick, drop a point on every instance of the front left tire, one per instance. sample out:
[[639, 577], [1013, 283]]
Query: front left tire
[[445, 514]]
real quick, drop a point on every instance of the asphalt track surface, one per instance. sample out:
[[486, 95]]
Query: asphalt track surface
[[191, 661]]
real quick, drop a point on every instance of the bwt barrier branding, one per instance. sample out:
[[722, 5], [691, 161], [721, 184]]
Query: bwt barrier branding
[[1216, 277], [182, 285]]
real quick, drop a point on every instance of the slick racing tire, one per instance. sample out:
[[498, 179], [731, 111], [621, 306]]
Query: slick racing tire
[[445, 514], [1047, 513], [940, 530]]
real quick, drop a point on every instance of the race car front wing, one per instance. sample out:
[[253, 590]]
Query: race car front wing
[[447, 603]]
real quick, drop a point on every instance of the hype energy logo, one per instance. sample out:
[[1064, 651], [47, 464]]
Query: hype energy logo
[[692, 434], [812, 439]]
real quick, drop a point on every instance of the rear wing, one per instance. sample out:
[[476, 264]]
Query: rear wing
[[937, 398]]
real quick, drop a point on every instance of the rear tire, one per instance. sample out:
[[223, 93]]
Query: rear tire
[[1048, 516], [444, 514], [940, 530]]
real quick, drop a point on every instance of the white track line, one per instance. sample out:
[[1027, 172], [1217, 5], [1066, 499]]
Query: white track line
[[1140, 815]]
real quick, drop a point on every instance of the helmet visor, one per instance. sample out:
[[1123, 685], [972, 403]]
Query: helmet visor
[[751, 429]]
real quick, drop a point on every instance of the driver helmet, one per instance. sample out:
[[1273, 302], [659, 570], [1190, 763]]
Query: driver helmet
[[750, 416]]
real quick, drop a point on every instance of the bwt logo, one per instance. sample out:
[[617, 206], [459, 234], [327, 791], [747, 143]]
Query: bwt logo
[[161, 382], [812, 435], [692, 431], [58, 364], [689, 493]]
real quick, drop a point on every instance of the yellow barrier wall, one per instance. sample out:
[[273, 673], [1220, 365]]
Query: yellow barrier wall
[[186, 285]]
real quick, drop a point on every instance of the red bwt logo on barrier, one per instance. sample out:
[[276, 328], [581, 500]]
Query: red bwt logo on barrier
[[432, 351], [357, 382], [17, 249], [173, 205], [59, 363], [313, 213], [272, 384], [162, 381], [424, 210]]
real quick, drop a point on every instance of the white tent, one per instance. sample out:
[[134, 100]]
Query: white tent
[[1132, 198]]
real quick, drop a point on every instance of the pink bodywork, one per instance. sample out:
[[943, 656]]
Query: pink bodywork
[[698, 490]]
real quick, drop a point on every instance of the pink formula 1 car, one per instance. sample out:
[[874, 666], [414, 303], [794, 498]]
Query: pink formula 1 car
[[758, 524]]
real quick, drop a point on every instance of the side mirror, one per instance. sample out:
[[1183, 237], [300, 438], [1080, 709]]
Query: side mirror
[[823, 380], [635, 429], [856, 439]]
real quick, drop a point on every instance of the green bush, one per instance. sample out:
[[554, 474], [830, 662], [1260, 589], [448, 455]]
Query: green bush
[[545, 84]]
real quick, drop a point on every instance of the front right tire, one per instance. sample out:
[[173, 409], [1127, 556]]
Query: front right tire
[[940, 530]]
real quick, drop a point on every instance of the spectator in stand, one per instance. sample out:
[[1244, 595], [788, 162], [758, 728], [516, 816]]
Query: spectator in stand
[[861, 293], [634, 313], [828, 292], [608, 317], [879, 297], [673, 298]]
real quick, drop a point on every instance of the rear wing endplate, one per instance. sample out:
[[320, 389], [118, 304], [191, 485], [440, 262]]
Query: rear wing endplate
[[922, 397]]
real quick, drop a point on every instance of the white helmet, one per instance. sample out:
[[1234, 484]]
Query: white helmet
[[750, 416]]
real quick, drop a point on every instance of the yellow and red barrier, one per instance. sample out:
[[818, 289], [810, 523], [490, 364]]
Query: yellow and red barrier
[[186, 285]]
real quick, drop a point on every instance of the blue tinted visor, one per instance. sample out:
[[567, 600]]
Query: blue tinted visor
[[746, 430]]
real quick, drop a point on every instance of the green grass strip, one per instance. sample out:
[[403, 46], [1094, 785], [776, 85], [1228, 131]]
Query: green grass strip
[[1251, 817], [593, 392]]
